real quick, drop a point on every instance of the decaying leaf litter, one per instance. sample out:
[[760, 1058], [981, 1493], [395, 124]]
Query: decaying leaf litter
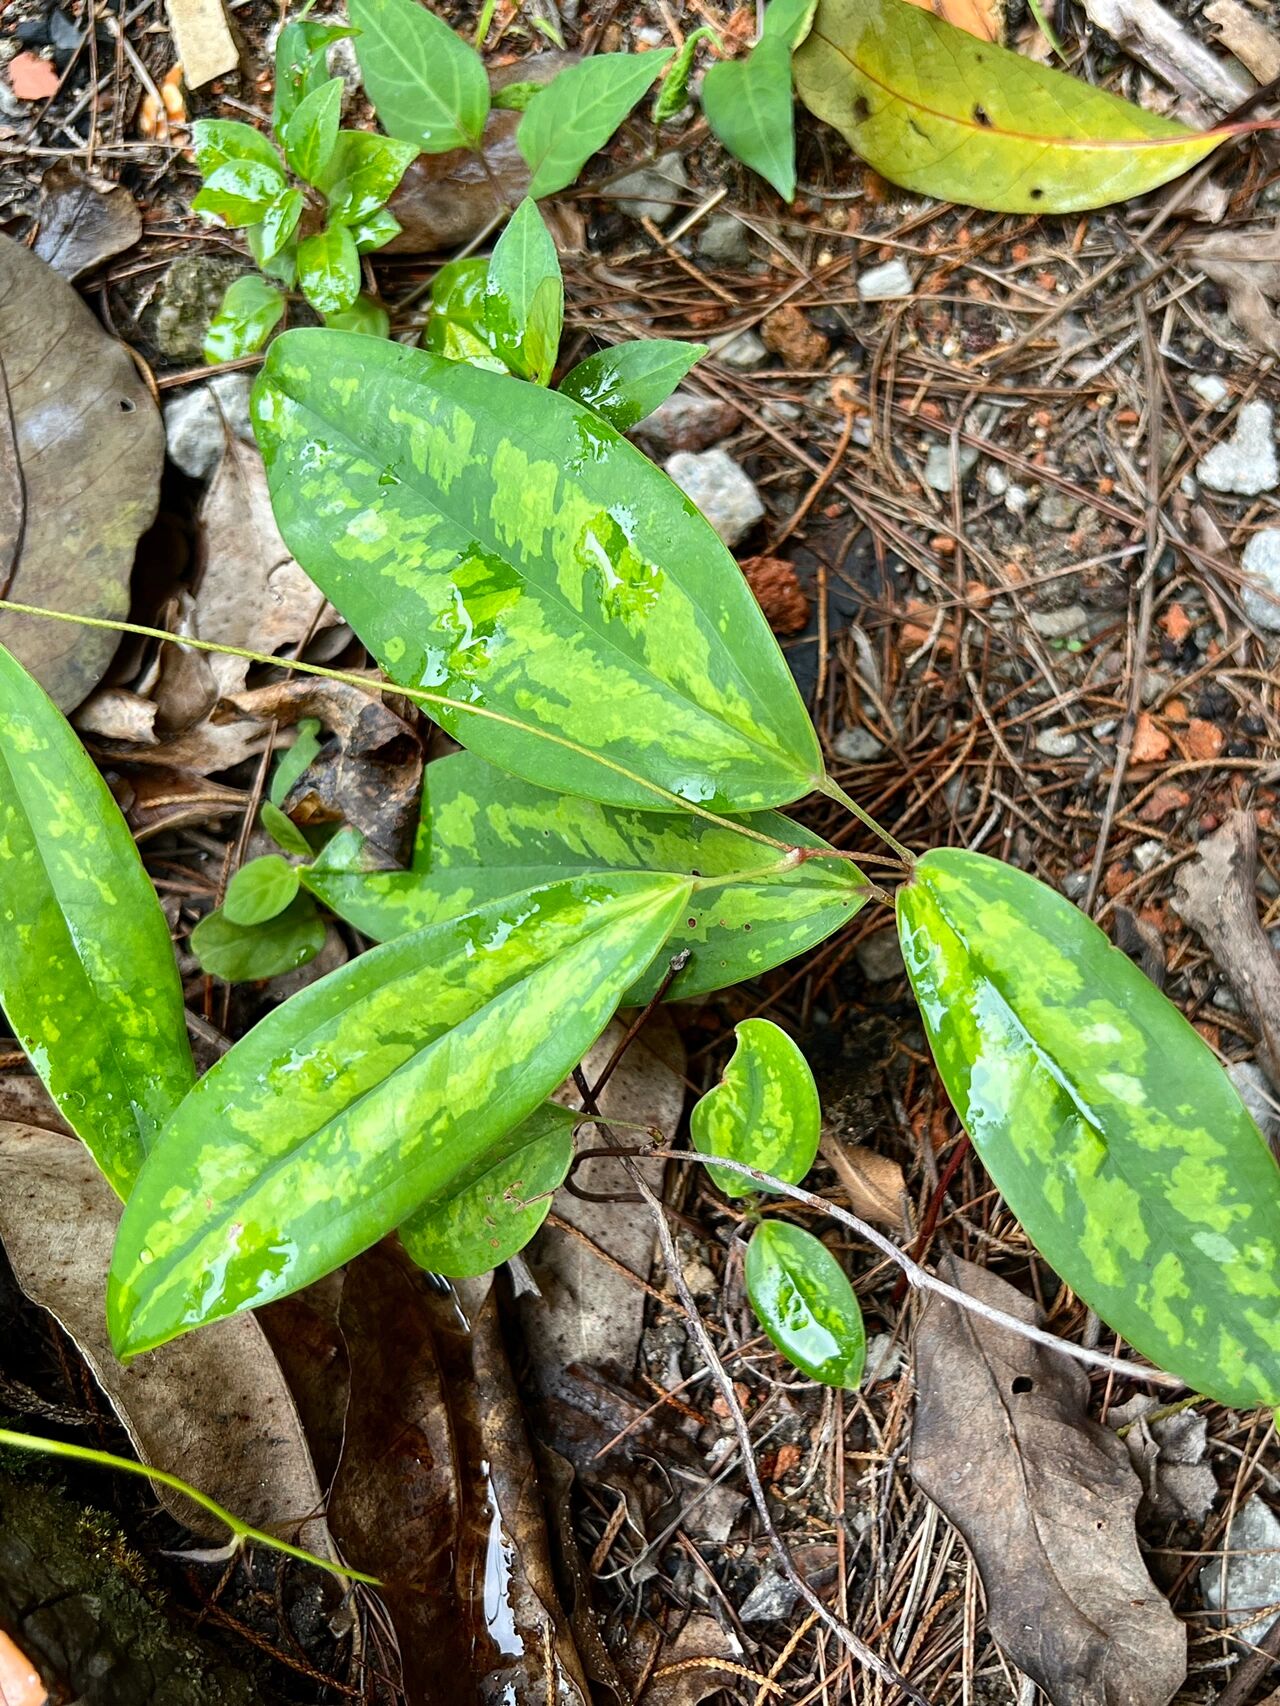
[[1025, 599]]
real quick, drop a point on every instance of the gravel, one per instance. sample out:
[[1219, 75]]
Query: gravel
[[1260, 595], [1246, 462], [722, 489], [879, 283]]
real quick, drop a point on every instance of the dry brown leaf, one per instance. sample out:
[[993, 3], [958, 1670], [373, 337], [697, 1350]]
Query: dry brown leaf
[[1046, 1498], [982, 18], [436, 1492], [702, 1661], [116, 714], [83, 221], [251, 593], [89, 450], [157, 798], [1246, 264], [873, 1183], [211, 1407], [1246, 33]]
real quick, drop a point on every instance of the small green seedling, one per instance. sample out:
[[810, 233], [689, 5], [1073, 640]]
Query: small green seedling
[[310, 203]]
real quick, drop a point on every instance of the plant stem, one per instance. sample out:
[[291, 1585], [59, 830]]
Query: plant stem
[[834, 791], [240, 1531], [419, 695]]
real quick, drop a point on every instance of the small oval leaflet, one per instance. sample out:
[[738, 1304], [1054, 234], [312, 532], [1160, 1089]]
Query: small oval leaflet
[[806, 1304], [1104, 1120], [261, 889], [493, 1216], [764, 1112]]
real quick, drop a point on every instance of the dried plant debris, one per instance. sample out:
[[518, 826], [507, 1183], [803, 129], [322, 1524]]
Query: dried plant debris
[[1046, 1499], [83, 221], [90, 475]]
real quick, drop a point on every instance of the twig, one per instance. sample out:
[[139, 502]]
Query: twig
[[923, 1280]]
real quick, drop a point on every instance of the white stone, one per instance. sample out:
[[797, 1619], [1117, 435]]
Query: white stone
[[857, 746], [746, 350], [1058, 624], [653, 192], [1211, 390], [1252, 1569], [1148, 853], [197, 421], [722, 490], [1057, 743], [879, 283], [937, 465], [1246, 462], [996, 480], [1260, 595]]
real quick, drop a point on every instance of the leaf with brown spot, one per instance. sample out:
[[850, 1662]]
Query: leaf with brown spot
[[1046, 1498], [89, 450]]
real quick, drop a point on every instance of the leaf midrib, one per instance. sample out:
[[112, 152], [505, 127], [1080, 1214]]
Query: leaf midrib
[[550, 592]]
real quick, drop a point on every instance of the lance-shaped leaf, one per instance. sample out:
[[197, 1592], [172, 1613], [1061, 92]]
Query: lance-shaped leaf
[[485, 836], [579, 110], [748, 104], [947, 115], [493, 1215], [1104, 1119], [502, 545], [369, 1092], [524, 296], [805, 1304], [627, 382], [764, 1111], [87, 974], [428, 86]]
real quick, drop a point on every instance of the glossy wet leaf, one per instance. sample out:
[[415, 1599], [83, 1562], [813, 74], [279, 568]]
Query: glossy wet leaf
[[284, 831], [494, 1215], [369, 1092], [579, 110], [310, 136], [764, 1111], [88, 978], [748, 104], [282, 266], [456, 326], [240, 191], [301, 53], [805, 1304], [278, 224], [627, 382], [427, 85], [944, 114], [524, 296], [375, 231], [260, 890], [1104, 1120], [218, 140], [251, 310], [329, 269], [366, 315], [362, 174], [550, 576], [485, 835], [247, 953]]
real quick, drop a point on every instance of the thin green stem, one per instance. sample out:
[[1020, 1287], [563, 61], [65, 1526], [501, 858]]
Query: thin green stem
[[420, 695], [834, 791], [240, 1531]]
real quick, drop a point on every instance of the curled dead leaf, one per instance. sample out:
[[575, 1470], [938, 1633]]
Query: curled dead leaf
[[873, 1183]]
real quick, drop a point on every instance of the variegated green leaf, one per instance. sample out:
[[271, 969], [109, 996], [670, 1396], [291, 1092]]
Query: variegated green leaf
[[369, 1092], [456, 327], [502, 545], [764, 1112], [805, 1304], [627, 382], [524, 296], [1104, 1120], [88, 980], [492, 1216], [485, 836]]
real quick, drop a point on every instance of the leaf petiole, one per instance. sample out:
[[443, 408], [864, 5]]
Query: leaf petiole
[[240, 1531]]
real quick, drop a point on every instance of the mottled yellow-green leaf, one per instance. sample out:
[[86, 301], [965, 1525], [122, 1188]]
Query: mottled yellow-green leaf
[[88, 979], [501, 544], [369, 1093], [764, 1112], [944, 114], [489, 1218], [1104, 1120], [805, 1304], [485, 836]]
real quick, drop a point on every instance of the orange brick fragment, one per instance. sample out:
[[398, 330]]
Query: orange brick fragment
[[1166, 800], [1150, 742], [1203, 739]]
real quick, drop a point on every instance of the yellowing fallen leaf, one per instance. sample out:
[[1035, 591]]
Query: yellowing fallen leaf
[[944, 115], [982, 18]]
